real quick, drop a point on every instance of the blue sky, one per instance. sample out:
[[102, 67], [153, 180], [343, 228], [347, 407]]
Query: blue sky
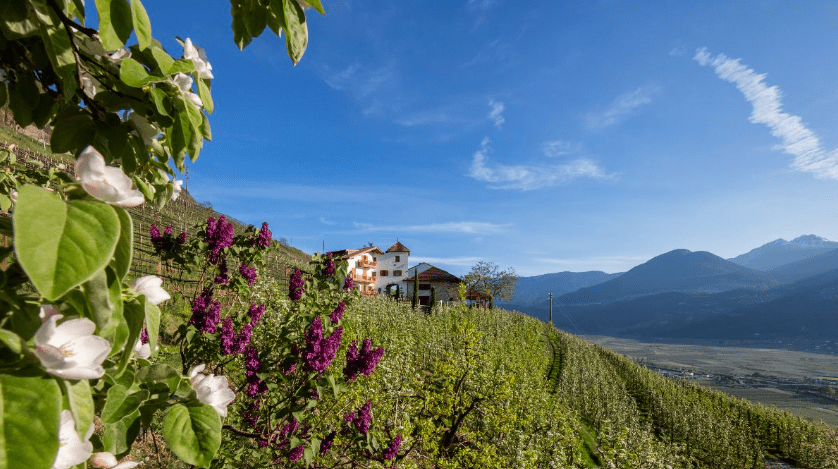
[[545, 136]]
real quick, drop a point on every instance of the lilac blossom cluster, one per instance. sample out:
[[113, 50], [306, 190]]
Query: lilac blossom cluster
[[251, 416], [252, 365], [264, 238], [338, 312], [232, 343], [295, 285], [255, 312], [363, 362], [361, 418], [330, 268], [393, 448], [327, 442], [248, 273], [219, 235], [348, 284], [206, 312], [164, 242], [144, 336], [320, 351], [222, 277]]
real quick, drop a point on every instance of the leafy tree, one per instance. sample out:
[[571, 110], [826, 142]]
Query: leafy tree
[[487, 279]]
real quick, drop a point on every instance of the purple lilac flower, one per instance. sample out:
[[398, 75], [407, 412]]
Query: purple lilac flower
[[252, 365], [251, 417], [290, 428], [362, 418], [320, 351], [264, 238], [338, 312], [290, 369], [330, 268], [363, 362], [222, 276], [219, 235], [206, 312], [255, 312], [263, 443], [153, 231], [348, 284], [144, 336], [327, 443], [295, 285], [163, 242], [182, 238], [232, 342], [168, 230], [393, 448], [249, 273], [295, 454]]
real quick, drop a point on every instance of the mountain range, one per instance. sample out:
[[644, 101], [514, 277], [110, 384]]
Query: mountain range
[[700, 295]]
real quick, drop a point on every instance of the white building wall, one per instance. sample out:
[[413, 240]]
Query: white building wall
[[388, 262]]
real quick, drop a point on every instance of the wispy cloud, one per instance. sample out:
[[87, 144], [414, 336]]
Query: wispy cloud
[[495, 52], [797, 140], [462, 261], [529, 177], [556, 148], [678, 51], [325, 221], [480, 8], [622, 107], [496, 114], [468, 227], [373, 88], [432, 117]]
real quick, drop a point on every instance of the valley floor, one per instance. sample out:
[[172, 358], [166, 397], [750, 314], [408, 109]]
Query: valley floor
[[801, 382]]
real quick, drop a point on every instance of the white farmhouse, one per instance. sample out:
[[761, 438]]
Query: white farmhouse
[[375, 271]]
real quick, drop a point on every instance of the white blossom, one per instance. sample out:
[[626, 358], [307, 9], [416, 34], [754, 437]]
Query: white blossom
[[144, 128], [177, 188], [142, 350], [90, 86], [150, 286], [184, 82], [211, 390], [198, 58], [46, 311], [72, 450], [105, 460], [120, 55], [106, 183], [13, 196], [70, 350]]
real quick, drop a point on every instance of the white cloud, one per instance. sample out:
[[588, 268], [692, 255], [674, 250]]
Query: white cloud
[[797, 140], [678, 51], [426, 118], [496, 114], [556, 148], [480, 7], [622, 107], [464, 261], [373, 88], [469, 227], [525, 178], [325, 221]]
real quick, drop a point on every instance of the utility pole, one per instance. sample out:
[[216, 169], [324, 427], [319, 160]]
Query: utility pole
[[551, 308]]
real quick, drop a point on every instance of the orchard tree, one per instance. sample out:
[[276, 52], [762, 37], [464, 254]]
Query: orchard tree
[[487, 279]]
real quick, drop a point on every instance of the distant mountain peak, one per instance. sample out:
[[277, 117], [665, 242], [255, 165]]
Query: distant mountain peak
[[810, 241], [778, 241]]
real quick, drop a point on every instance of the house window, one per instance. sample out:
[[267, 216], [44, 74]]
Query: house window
[[397, 258], [424, 286], [397, 273], [383, 273]]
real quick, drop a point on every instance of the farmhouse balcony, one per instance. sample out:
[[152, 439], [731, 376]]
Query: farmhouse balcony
[[367, 264], [363, 278]]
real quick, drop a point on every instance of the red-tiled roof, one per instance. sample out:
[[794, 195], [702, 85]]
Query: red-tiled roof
[[398, 247], [435, 275], [347, 253]]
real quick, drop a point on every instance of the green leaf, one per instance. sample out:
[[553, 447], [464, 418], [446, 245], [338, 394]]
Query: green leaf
[[61, 245], [17, 22], [296, 32], [317, 6], [163, 59], [134, 313], [97, 295], [58, 47], [12, 340], [30, 408], [158, 97], [193, 432], [241, 35], [204, 94], [5, 202], [119, 436], [116, 332], [123, 253], [142, 26], [22, 93], [132, 73], [206, 132], [115, 23], [121, 404], [81, 403], [152, 324], [182, 66], [160, 374], [72, 132]]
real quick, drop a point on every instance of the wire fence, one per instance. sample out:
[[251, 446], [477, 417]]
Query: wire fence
[[182, 214]]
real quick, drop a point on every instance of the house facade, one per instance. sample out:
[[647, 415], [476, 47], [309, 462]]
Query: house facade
[[374, 271], [444, 284]]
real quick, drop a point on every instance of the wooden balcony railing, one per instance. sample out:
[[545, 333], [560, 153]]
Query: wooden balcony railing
[[363, 278], [367, 264]]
